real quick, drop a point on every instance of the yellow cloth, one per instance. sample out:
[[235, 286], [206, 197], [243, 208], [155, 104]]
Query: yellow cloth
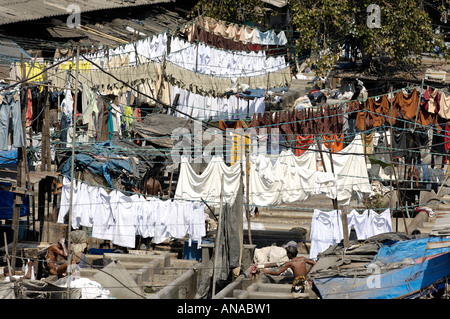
[[128, 115], [32, 71]]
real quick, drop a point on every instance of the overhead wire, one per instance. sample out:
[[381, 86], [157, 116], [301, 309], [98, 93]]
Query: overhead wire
[[288, 208], [167, 105], [365, 154]]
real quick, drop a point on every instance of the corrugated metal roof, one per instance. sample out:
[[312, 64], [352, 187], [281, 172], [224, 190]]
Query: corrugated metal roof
[[12, 11], [276, 3]]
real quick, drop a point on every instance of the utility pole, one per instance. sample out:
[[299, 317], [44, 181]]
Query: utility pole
[[217, 242], [45, 147], [247, 191], [72, 177], [21, 154], [335, 202], [399, 194]]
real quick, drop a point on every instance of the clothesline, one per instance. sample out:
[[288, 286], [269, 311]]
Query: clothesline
[[290, 179], [119, 217], [269, 125], [242, 33], [327, 230]]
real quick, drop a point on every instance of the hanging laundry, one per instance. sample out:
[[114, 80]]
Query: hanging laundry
[[303, 143], [368, 142], [80, 205], [119, 217], [102, 217], [66, 115], [124, 212], [379, 222], [236, 140], [444, 106], [289, 179], [243, 33], [207, 185], [89, 109], [29, 116], [431, 100], [10, 104], [447, 138], [221, 63], [380, 111], [351, 170], [336, 142], [115, 119], [214, 108], [405, 105], [400, 142], [360, 222], [326, 231]]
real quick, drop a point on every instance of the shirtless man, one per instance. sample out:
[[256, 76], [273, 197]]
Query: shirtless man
[[14, 276], [298, 266], [153, 187], [54, 255]]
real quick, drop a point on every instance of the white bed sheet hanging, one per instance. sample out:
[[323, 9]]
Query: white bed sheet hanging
[[351, 170], [289, 179], [207, 185]]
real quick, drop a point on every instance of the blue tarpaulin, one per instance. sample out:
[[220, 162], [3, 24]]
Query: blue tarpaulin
[[101, 160], [8, 157], [7, 204], [397, 270], [417, 248]]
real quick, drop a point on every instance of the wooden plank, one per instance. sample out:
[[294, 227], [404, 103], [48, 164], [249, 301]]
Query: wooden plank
[[438, 244]]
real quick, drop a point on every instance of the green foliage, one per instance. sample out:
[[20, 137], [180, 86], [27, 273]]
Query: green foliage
[[232, 11], [405, 31], [322, 25], [375, 201]]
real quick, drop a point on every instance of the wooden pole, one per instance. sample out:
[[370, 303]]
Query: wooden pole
[[20, 169], [393, 165], [72, 177], [217, 243], [247, 195], [45, 150], [343, 211], [8, 262], [335, 202]]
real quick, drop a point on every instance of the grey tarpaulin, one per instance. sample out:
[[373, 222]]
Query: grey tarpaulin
[[229, 249], [158, 129], [352, 261], [7, 290], [170, 133], [38, 289]]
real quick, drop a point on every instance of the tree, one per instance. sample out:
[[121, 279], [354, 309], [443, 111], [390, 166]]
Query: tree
[[232, 11], [390, 33]]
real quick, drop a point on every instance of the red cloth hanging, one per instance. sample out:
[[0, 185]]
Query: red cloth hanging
[[303, 143], [336, 142]]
